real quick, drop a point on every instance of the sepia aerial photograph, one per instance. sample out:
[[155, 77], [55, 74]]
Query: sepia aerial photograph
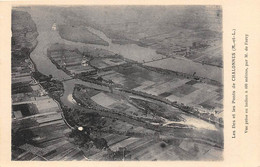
[[117, 83]]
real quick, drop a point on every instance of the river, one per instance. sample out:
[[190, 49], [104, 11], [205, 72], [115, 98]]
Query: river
[[146, 54], [44, 21]]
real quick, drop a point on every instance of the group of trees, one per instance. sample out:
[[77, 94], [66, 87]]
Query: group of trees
[[90, 122], [41, 77], [52, 86]]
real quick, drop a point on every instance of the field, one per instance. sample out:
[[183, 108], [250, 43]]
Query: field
[[106, 62], [37, 126], [172, 87], [151, 149], [130, 141], [24, 110], [149, 111], [21, 87], [46, 140], [109, 101], [38, 131], [71, 60], [85, 60]]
